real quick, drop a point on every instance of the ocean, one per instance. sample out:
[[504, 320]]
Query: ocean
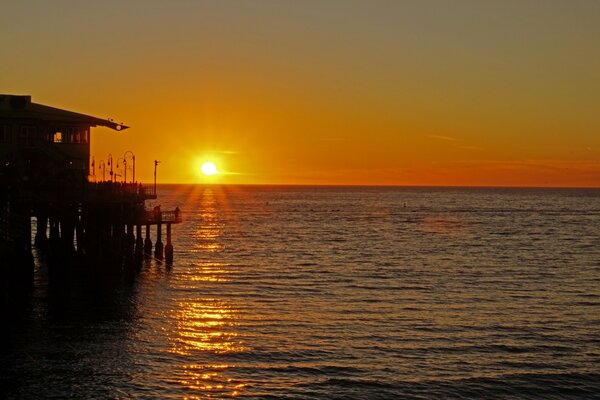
[[289, 292]]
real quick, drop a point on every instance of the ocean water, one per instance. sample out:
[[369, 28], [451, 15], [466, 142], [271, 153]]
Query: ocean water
[[332, 293]]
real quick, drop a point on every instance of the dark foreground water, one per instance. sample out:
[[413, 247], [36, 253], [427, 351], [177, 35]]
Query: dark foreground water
[[286, 292]]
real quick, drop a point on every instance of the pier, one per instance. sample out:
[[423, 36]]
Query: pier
[[48, 182]]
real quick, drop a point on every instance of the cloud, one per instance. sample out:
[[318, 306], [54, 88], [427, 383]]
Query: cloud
[[440, 137], [540, 164], [456, 140]]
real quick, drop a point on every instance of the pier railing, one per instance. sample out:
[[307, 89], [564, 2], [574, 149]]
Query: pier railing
[[148, 192], [89, 192], [123, 189], [154, 216]]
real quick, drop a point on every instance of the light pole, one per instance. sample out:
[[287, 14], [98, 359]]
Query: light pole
[[110, 164], [124, 167], [133, 166], [156, 162], [94, 168], [103, 166]]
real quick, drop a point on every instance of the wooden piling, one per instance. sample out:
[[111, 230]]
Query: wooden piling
[[158, 247], [148, 242], [169, 246]]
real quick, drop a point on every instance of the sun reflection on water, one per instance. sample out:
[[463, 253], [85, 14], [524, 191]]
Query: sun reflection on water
[[209, 230], [205, 327], [209, 272], [208, 380]]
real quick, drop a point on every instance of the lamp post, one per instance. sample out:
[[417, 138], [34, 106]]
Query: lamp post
[[133, 166], [124, 167], [103, 166], [94, 168], [110, 164], [156, 162]]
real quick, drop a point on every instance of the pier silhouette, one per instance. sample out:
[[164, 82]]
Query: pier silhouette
[[46, 181]]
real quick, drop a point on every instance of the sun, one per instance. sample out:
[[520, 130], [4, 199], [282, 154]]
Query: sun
[[209, 168]]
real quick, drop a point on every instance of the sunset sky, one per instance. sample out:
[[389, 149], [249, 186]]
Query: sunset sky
[[323, 92]]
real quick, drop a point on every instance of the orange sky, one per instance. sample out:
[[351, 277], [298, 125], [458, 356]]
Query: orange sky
[[324, 92]]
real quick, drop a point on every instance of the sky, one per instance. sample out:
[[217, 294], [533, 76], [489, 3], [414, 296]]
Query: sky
[[468, 93]]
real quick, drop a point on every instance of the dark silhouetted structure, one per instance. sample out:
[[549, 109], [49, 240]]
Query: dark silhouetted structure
[[44, 174]]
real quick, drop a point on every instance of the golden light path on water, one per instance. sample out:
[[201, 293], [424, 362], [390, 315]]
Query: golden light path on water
[[207, 233], [330, 292], [205, 326]]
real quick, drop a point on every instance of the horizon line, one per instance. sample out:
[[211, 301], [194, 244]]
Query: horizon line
[[375, 185]]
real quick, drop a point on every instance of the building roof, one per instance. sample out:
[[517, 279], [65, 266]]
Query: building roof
[[21, 107]]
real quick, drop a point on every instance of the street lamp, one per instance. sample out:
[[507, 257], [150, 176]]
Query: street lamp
[[133, 160], [94, 168], [103, 166], [124, 167], [110, 164], [156, 162]]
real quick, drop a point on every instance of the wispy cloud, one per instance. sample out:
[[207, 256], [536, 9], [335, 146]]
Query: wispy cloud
[[457, 143], [543, 164], [440, 137]]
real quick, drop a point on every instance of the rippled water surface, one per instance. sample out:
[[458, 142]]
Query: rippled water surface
[[305, 292]]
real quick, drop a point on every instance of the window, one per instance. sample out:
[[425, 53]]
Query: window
[[57, 137], [70, 134], [27, 135], [5, 134], [76, 135]]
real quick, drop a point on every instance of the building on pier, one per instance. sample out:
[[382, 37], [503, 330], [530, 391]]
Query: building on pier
[[45, 174]]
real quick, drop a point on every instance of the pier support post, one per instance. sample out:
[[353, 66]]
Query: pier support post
[[158, 248], [79, 238], [116, 252], [139, 241], [42, 226], [27, 254], [67, 233], [148, 242], [105, 233], [20, 257], [54, 239], [130, 236], [169, 246], [129, 245], [54, 234]]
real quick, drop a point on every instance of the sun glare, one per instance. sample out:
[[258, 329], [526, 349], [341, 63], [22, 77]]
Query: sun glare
[[209, 168]]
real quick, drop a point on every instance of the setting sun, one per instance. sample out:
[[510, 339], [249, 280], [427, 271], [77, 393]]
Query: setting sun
[[209, 168]]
